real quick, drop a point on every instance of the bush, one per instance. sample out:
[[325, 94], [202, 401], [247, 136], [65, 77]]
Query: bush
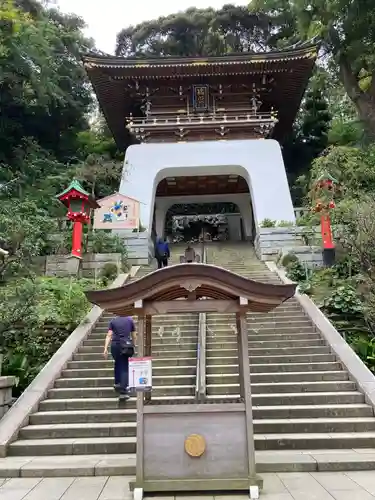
[[343, 300], [36, 317], [287, 259], [285, 223], [296, 272], [108, 273], [268, 223]]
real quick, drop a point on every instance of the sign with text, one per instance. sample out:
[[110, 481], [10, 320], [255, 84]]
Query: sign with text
[[200, 97], [117, 212], [140, 374]]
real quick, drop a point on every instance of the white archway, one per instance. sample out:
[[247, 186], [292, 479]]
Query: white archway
[[258, 161], [162, 204]]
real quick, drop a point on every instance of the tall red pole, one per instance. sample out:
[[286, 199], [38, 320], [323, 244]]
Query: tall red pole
[[77, 239]]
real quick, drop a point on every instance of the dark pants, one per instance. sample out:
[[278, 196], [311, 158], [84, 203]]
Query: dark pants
[[162, 262], [121, 368]]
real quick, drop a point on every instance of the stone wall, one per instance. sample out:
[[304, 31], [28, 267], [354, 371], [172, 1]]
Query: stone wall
[[6, 384], [64, 265], [140, 248], [269, 242], [311, 256]]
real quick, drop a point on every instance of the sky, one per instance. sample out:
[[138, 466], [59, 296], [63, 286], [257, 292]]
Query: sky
[[105, 19]]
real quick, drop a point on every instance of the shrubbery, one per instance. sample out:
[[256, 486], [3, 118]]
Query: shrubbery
[[36, 317]]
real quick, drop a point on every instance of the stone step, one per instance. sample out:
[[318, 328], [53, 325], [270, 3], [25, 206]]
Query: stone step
[[157, 362], [84, 416], [108, 372], [156, 347], [124, 465], [65, 466], [314, 425], [182, 353], [283, 377], [106, 382], [285, 387], [219, 367], [107, 392], [220, 343], [312, 398], [221, 323], [315, 441], [80, 430], [259, 337], [264, 329], [124, 445], [103, 403], [225, 344], [261, 426], [215, 358], [167, 339], [259, 412], [72, 446]]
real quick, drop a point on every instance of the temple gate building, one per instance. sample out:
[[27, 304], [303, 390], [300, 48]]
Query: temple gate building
[[204, 130]]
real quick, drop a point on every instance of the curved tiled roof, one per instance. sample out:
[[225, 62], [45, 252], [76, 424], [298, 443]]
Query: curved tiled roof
[[179, 281]]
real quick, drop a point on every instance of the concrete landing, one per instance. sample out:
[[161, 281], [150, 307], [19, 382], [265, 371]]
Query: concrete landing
[[277, 486], [332, 460]]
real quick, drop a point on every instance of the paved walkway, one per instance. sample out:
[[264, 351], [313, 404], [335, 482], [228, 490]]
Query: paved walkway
[[281, 486]]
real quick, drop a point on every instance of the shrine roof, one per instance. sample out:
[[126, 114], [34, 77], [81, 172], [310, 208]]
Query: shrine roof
[[180, 281], [76, 187], [138, 65], [291, 67]]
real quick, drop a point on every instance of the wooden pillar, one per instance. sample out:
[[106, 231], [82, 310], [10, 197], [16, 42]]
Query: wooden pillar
[[241, 321], [140, 402], [148, 347], [240, 357]]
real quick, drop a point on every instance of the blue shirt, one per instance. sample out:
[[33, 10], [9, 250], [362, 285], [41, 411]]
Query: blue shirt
[[162, 248], [122, 328]]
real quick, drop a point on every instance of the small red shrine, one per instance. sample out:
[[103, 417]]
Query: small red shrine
[[79, 204]]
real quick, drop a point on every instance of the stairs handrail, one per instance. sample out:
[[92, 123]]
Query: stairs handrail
[[200, 387]]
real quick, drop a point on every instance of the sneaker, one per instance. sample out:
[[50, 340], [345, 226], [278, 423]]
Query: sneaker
[[124, 397]]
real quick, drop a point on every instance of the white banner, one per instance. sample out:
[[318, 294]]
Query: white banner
[[140, 374]]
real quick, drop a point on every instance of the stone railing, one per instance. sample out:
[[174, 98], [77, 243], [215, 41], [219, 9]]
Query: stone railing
[[357, 370]]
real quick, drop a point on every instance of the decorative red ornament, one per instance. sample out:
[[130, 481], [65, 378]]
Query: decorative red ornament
[[332, 204]]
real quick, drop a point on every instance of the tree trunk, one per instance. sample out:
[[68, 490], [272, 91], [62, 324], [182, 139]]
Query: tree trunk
[[364, 101]]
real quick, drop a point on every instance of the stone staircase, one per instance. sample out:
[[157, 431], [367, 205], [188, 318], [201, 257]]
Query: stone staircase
[[308, 414], [82, 422], [305, 404]]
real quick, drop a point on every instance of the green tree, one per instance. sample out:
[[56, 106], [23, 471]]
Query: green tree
[[347, 31], [196, 32], [44, 91]]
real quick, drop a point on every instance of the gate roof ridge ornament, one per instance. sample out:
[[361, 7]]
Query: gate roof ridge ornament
[[171, 283]]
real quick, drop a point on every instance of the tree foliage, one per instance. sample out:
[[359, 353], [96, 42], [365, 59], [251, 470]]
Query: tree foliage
[[347, 32], [197, 32]]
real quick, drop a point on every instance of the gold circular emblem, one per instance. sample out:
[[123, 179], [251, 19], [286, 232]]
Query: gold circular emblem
[[195, 445]]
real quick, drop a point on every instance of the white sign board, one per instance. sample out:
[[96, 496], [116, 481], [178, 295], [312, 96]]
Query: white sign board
[[140, 374]]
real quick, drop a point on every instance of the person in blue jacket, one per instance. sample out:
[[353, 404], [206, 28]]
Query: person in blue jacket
[[162, 253]]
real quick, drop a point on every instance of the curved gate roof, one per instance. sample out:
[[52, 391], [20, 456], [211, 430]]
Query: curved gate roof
[[193, 282]]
